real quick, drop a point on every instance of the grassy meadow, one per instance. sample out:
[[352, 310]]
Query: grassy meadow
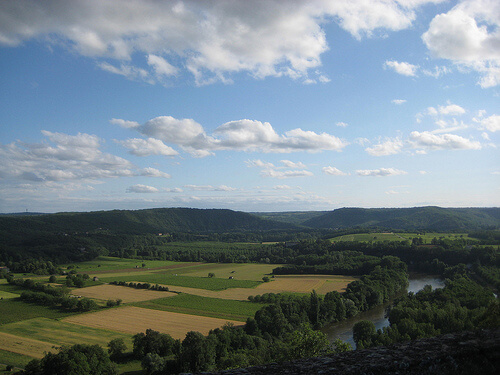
[[14, 310], [204, 306], [209, 283]]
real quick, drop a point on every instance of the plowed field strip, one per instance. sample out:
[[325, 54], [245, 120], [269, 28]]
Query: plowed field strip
[[126, 294], [135, 319]]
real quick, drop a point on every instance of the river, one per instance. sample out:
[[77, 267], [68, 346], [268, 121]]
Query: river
[[343, 330]]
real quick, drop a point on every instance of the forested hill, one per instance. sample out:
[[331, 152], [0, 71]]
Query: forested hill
[[416, 218], [159, 220]]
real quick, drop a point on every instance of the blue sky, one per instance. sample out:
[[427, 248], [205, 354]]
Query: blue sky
[[252, 106]]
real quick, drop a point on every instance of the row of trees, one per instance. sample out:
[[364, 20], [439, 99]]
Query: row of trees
[[149, 286]]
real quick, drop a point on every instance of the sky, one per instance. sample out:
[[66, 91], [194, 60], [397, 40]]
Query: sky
[[256, 106]]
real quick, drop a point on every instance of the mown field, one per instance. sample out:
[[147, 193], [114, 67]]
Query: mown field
[[390, 236], [131, 320]]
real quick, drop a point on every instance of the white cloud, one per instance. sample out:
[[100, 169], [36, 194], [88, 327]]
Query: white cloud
[[124, 124], [161, 66], [382, 172], [333, 171], [211, 40], [146, 147], [172, 190], [139, 188], [389, 147], [259, 164], [153, 172], [391, 192], [128, 71], [342, 124], [399, 101], [469, 36], [285, 174], [281, 187], [491, 123], [437, 72], [422, 172], [241, 135], [403, 68], [451, 110], [69, 157], [209, 188], [428, 140], [291, 164], [485, 136]]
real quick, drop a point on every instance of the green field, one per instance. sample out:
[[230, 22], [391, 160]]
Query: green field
[[103, 263], [14, 359], [204, 306], [14, 310], [212, 283], [62, 333], [380, 237], [240, 271], [5, 295]]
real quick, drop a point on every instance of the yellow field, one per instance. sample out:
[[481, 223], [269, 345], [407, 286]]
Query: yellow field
[[24, 346], [133, 320], [322, 284], [126, 294]]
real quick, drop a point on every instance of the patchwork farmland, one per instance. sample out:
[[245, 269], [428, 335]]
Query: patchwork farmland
[[195, 302]]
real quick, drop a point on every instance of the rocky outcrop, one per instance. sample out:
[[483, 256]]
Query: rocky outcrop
[[475, 353]]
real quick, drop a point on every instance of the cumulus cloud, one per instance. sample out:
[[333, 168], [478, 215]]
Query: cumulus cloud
[[437, 72], [427, 140], [382, 172], [128, 71], [285, 174], [291, 164], [403, 68], [146, 147], [281, 187], [333, 171], [161, 66], [259, 164], [153, 172], [469, 35], [398, 101], [64, 157], [241, 135], [389, 147], [342, 124], [210, 39], [451, 109], [209, 188], [270, 170], [492, 123], [124, 124], [139, 188]]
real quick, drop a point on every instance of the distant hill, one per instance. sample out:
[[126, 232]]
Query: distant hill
[[416, 218], [160, 220], [291, 217]]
